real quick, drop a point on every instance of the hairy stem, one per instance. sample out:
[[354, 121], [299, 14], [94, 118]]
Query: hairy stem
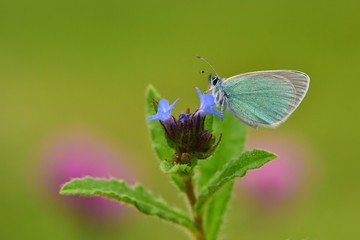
[[189, 189], [198, 218]]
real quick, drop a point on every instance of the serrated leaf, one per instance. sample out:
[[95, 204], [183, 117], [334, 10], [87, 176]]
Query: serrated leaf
[[182, 169], [136, 196], [231, 146], [158, 139], [179, 182], [235, 168]]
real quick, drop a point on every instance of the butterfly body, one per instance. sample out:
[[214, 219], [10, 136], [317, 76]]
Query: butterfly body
[[264, 98]]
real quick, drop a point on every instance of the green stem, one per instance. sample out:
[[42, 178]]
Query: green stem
[[198, 218]]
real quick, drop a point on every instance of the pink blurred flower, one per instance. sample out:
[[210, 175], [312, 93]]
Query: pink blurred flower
[[77, 154], [279, 182]]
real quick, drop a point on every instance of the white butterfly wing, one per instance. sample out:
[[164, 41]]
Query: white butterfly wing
[[265, 98]]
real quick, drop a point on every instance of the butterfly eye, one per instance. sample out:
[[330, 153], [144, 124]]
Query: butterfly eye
[[215, 81]]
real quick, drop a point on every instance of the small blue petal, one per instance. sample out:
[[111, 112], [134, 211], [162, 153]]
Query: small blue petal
[[199, 91], [173, 104], [214, 111], [207, 103], [184, 117], [164, 110]]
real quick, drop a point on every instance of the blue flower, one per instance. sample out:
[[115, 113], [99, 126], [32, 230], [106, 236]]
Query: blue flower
[[164, 110], [207, 104]]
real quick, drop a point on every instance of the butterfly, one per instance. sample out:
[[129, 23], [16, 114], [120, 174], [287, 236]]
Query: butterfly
[[263, 98]]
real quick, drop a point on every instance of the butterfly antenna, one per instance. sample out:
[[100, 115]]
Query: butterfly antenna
[[203, 59]]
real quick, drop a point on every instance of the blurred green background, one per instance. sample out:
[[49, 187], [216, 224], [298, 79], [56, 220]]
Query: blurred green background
[[87, 63]]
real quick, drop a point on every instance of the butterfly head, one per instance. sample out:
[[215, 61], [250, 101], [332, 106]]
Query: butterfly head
[[214, 80]]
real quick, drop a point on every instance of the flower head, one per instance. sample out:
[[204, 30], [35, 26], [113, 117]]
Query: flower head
[[187, 133], [207, 104], [163, 110]]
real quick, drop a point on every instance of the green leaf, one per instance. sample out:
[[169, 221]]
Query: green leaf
[[136, 196], [178, 181], [231, 146], [215, 211], [235, 168], [209, 120], [158, 139], [181, 169]]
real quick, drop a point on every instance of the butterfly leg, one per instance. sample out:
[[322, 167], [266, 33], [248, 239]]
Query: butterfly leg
[[224, 102], [222, 106]]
